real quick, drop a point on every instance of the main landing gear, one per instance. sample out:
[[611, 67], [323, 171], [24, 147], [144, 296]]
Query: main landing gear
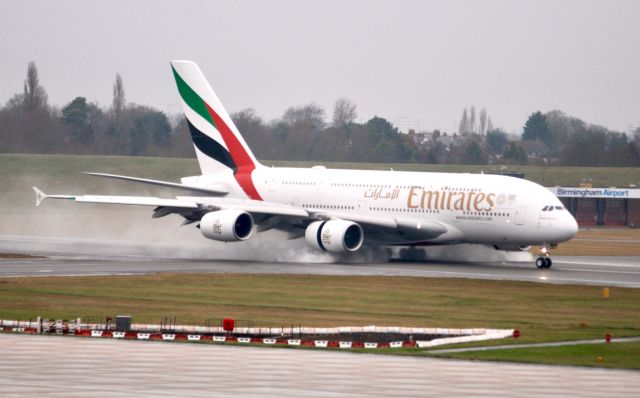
[[412, 253], [544, 261]]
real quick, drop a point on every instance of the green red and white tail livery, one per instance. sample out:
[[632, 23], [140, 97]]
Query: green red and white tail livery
[[334, 210]]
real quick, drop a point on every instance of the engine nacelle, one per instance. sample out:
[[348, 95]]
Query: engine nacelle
[[512, 248], [227, 225], [337, 236]]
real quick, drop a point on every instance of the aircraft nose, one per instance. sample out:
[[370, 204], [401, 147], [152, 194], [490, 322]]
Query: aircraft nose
[[569, 227]]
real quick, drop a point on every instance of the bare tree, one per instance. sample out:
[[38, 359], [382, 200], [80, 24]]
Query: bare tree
[[344, 112], [483, 121], [310, 114], [472, 120], [34, 95], [489, 124], [118, 96], [464, 123]]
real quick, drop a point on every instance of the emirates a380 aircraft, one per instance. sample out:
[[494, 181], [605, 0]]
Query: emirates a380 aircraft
[[340, 210]]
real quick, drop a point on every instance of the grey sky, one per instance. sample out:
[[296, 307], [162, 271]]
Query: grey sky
[[417, 60]]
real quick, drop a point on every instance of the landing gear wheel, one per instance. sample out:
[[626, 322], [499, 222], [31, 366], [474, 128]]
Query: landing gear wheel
[[547, 262], [413, 254], [541, 262]]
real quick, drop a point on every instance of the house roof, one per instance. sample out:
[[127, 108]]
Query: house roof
[[535, 147]]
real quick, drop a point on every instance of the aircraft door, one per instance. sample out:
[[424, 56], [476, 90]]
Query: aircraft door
[[519, 216]]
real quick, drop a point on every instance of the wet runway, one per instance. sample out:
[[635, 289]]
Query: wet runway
[[80, 367], [100, 258], [63, 366]]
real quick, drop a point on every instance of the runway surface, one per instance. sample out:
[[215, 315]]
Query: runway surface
[[68, 257], [80, 367]]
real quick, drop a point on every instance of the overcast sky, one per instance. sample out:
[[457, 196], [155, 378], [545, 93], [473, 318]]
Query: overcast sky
[[419, 62]]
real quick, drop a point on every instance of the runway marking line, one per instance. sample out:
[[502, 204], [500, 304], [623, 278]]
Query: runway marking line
[[585, 262]]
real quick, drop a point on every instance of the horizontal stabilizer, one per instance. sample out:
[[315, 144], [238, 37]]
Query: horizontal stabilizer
[[216, 191]]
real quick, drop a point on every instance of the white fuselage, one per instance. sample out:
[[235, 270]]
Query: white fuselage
[[477, 208]]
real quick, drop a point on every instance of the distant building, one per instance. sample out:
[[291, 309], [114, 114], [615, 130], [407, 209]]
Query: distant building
[[535, 149]]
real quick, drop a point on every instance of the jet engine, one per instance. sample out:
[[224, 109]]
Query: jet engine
[[227, 225], [512, 248], [337, 236]]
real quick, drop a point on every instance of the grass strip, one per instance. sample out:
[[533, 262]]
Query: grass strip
[[613, 355]]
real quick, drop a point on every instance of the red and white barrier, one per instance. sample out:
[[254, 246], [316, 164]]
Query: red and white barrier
[[199, 333]]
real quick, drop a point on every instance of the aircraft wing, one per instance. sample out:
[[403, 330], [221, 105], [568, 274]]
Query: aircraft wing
[[192, 208], [122, 200], [182, 204], [215, 191]]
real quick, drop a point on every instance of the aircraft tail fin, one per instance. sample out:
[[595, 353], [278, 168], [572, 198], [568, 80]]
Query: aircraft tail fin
[[218, 143]]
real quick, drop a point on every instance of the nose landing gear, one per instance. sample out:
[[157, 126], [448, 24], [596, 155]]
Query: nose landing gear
[[544, 261]]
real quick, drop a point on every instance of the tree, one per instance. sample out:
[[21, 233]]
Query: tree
[[483, 121], [515, 153], [35, 98], [77, 116], [473, 154], [472, 120], [310, 114], [489, 124], [496, 140], [536, 128], [118, 103], [28, 125], [389, 144], [344, 112], [147, 130], [587, 148], [620, 151], [463, 128]]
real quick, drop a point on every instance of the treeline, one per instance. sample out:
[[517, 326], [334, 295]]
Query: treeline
[[28, 124], [573, 142]]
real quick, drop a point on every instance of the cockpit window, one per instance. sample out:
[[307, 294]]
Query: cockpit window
[[545, 208], [559, 208]]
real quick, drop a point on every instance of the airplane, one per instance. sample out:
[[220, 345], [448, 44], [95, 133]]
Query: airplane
[[335, 210]]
